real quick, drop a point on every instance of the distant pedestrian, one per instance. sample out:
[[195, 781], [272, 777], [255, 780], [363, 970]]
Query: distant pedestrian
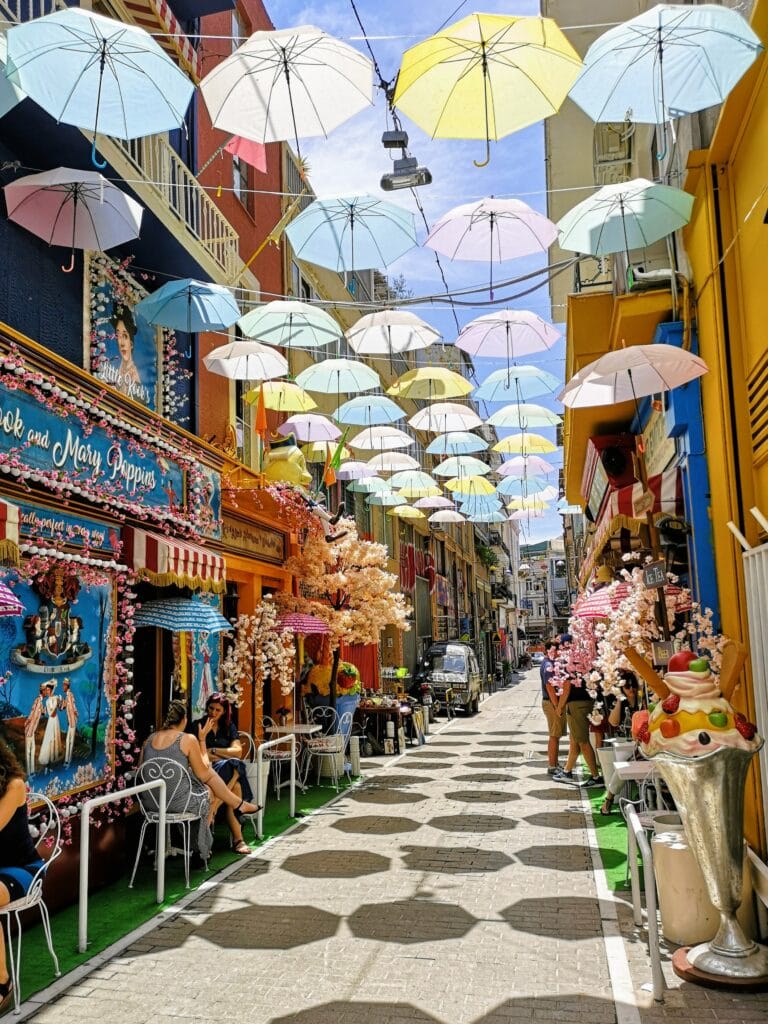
[[553, 707], [579, 705]]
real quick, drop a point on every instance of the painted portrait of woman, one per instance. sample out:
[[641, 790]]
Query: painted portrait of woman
[[128, 379]]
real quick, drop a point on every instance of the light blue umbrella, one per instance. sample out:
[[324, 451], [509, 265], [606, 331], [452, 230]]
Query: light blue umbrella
[[10, 94], [290, 324], [479, 504], [516, 384], [190, 306], [669, 61], [386, 499], [369, 410], [462, 465], [352, 233], [334, 376], [522, 415], [181, 615], [98, 74], [495, 516], [513, 487], [411, 479], [371, 485], [456, 442]]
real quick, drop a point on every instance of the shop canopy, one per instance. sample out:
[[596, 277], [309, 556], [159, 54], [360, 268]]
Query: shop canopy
[[9, 533], [167, 561]]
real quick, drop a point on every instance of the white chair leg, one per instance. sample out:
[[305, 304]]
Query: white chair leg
[[138, 852], [49, 938], [12, 965], [186, 834]]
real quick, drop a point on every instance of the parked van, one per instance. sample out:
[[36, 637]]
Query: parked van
[[451, 669]]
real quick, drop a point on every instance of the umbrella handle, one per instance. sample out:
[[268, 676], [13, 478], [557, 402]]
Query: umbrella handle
[[71, 267], [101, 164], [484, 163]]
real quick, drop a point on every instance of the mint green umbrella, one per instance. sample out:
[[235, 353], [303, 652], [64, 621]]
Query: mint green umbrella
[[516, 384], [522, 415], [290, 324], [462, 465]]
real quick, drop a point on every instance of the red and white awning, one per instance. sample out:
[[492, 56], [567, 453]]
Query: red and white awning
[[9, 533], [166, 561]]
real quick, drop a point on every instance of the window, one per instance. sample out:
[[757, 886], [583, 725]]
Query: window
[[240, 182], [240, 29]]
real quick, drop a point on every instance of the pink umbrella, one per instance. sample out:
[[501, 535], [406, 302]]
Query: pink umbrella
[[435, 502], [9, 603], [600, 604], [522, 466], [355, 471], [302, 625], [253, 153], [309, 427], [507, 333]]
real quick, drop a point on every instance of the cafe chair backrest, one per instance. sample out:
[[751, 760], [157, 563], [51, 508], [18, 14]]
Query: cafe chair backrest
[[326, 717], [45, 828], [178, 786]]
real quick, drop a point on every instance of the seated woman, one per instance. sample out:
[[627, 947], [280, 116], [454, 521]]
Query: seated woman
[[19, 860], [207, 791], [619, 711], [217, 736]]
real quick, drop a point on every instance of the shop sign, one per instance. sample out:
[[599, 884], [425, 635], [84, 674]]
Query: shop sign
[[598, 489], [654, 575], [659, 449], [36, 523], [253, 539]]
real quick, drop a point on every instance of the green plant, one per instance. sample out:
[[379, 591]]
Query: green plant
[[487, 556]]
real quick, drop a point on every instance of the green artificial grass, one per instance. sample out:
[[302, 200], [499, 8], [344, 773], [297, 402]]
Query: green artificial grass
[[611, 831], [116, 910]]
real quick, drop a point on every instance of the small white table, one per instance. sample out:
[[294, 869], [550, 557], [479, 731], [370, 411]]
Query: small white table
[[296, 729], [633, 770]]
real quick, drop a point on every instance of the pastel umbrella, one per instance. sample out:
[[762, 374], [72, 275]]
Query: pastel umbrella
[[631, 373], [475, 503], [601, 603], [529, 502], [391, 332], [485, 77], [383, 438], [386, 499], [369, 485], [288, 323], [430, 382], [447, 515], [293, 83], [10, 94], [352, 233], [525, 444], [98, 74], [523, 414], [420, 492], [246, 360], [516, 384], [367, 410], [436, 501], [320, 451], [529, 513], [462, 465], [623, 216], [507, 334], [9, 602], [411, 478], [510, 487], [406, 512], [354, 471], [282, 396], [302, 625], [333, 376], [522, 465], [76, 209], [309, 426], [492, 516], [190, 306], [181, 615], [456, 442], [393, 462], [445, 416], [470, 485]]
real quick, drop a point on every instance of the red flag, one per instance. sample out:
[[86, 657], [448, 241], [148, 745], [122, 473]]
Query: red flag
[[260, 425]]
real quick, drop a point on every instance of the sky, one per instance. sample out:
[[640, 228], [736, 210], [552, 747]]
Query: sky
[[352, 160]]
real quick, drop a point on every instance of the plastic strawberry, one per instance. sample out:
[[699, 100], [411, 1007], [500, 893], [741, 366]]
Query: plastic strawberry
[[745, 728], [644, 735], [670, 704]]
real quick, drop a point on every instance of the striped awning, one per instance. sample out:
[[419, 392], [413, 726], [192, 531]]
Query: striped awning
[[9, 533], [166, 561]]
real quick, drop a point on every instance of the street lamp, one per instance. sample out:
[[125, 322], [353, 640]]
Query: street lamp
[[406, 172]]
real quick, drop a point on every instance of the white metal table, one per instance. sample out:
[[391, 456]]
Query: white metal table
[[297, 729]]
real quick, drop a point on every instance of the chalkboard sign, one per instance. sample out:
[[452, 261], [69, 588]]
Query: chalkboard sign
[[655, 575]]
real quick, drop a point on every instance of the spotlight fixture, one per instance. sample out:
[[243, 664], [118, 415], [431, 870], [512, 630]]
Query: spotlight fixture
[[406, 172]]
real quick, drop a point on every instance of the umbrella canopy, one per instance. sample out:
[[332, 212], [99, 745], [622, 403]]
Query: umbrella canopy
[[507, 334], [668, 61], [486, 76], [246, 360], [393, 462], [470, 485], [369, 485], [354, 471], [631, 373], [522, 465], [320, 451], [601, 604], [430, 382], [406, 512], [525, 514], [181, 615], [511, 487], [10, 94], [412, 479], [391, 332], [282, 396], [462, 465], [309, 426], [301, 625], [523, 414], [76, 209], [352, 233], [456, 442], [382, 438], [445, 416], [436, 501], [529, 503], [288, 323], [493, 516], [492, 230], [9, 603], [98, 74], [623, 216], [473, 504], [367, 410], [447, 515], [516, 384], [569, 510], [333, 376], [420, 492], [525, 444], [190, 306], [386, 499], [292, 83]]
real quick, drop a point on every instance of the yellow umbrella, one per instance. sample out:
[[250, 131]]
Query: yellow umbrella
[[405, 512], [532, 503], [430, 382], [470, 485], [319, 451], [486, 76], [525, 444], [282, 396], [419, 492]]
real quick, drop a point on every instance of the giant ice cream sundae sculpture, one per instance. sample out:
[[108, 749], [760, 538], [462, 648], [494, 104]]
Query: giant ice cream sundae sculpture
[[703, 748]]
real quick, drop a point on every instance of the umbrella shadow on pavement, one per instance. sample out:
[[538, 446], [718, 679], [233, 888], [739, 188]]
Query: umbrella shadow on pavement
[[263, 926], [422, 752], [491, 754], [552, 792], [449, 743], [558, 819], [428, 766], [376, 824], [410, 921], [557, 858], [454, 860], [336, 864], [472, 823], [484, 777], [387, 796], [568, 918], [482, 796], [502, 743], [489, 765], [402, 780], [359, 1013]]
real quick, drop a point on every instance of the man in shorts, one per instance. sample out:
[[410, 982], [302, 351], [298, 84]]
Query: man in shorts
[[552, 707], [579, 706]]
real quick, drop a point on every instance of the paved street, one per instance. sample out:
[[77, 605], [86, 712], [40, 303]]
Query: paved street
[[455, 886]]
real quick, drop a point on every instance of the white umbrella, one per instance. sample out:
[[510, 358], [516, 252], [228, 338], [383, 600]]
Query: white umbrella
[[447, 515], [441, 417], [246, 360], [393, 462], [436, 501], [354, 471], [391, 332], [523, 414], [309, 426], [462, 465], [522, 465], [631, 373], [384, 438], [507, 334], [411, 479]]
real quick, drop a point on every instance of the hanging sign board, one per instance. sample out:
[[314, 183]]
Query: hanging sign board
[[654, 575]]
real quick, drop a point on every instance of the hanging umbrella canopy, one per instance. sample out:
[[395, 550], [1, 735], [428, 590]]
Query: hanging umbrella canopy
[[302, 625], [309, 426], [507, 334], [352, 233], [522, 465], [510, 487], [369, 485], [98, 74], [447, 515], [10, 94], [76, 209], [288, 323], [516, 384], [624, 216], [9, 603], [246, 360], [420, 492], [189, 306], [391, 332], [602, 603], [462, 465], [631, 373], [320, 451], [523, 414], [473, 504], [354, 471], [393, 462], [436, 501], [430, 382], [381, 439], [282, 396], [486, 76], [470, 485], [456, 442], [293, 83], [445, 416], [181, 615], [386, 499], [412, 479], [367, 410], [493, 516], [531, 502], [669, 61], [406, 512], [334, 376], [521, 514], [525, 444]]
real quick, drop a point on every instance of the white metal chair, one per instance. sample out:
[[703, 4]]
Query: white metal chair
[[178, 795], [276, 756], [47, 823], [249, 756], [249, 747], [333, 748]]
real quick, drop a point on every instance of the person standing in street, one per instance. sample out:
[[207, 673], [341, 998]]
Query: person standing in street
[[579, 706], [553, 706]]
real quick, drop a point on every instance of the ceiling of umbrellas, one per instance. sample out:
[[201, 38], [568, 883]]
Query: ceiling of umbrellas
[[482, 78]]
